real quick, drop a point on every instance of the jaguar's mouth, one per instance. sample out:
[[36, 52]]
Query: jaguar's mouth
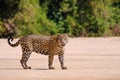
[[63, 44]]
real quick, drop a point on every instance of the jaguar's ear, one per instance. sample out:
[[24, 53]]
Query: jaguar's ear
[[69, 35], [58, 36]]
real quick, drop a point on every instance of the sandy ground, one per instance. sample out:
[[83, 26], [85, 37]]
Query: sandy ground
[[86, 59]]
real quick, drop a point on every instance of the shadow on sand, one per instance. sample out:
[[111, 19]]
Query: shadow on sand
[[23, 69]]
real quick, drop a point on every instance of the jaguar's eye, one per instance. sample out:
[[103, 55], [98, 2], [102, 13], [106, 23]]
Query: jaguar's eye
[[61, 39]]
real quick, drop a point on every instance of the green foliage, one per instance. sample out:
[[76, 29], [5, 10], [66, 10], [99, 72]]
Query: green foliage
[[48, 17], [32, 20], [8, 8]]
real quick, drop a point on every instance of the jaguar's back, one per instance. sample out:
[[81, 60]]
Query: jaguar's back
[[38, 44]]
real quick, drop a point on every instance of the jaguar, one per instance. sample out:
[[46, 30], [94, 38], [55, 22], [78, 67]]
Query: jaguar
[[46, 45]]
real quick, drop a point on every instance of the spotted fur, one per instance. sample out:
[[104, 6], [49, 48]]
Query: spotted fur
[[46, 45]]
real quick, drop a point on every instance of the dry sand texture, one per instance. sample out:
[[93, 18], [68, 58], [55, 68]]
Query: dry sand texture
[[86, 59]]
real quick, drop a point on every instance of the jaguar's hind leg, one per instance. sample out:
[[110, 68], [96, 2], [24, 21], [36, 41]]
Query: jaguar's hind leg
[[24, 60]]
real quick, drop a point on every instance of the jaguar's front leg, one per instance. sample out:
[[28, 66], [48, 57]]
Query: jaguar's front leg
[[50, 60], [61, 59]]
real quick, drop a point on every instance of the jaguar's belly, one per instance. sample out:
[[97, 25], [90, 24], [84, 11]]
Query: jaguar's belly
[[41, 51], [57, 51], [46, 51]]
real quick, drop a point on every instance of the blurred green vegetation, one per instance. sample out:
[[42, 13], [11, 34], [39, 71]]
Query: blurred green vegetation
[[48, 17]]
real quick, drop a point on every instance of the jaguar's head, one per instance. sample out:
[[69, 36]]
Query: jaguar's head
[[62, 39]]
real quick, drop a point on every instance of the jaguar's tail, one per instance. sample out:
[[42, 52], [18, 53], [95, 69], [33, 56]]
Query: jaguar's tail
[[13, 45]]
